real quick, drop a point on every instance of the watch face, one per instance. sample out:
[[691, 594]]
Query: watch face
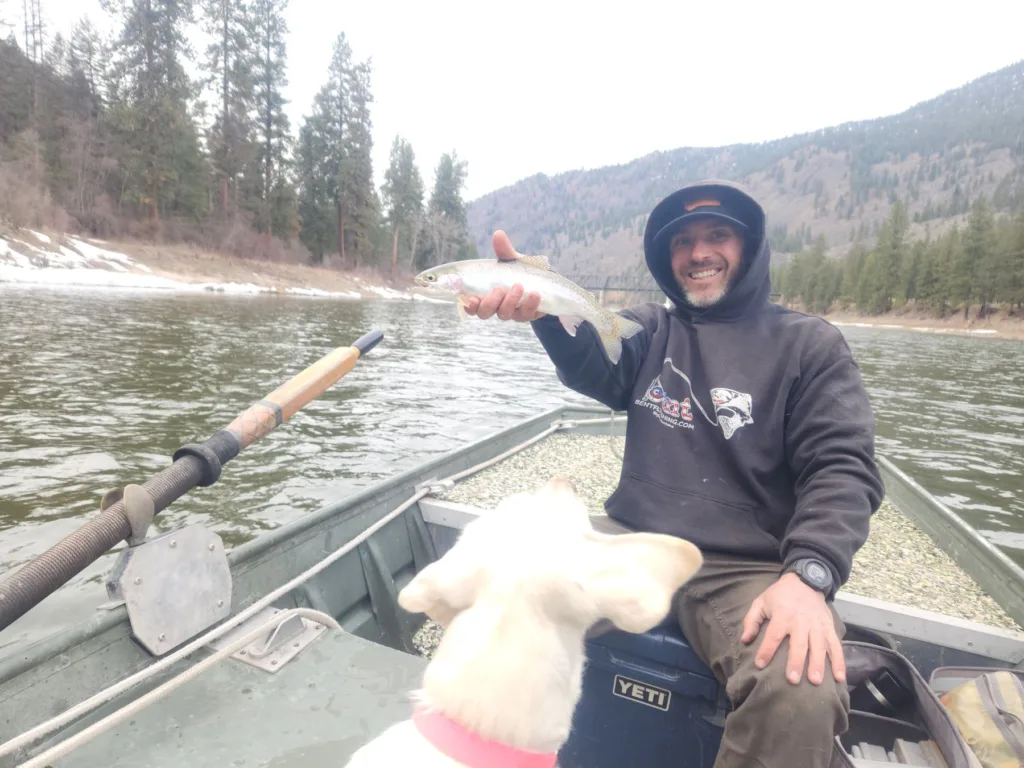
[[817, 573]]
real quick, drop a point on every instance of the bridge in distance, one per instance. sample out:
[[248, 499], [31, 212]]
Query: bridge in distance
[[601, 285], [597, 283]]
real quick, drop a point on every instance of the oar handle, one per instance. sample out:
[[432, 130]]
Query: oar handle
[[195, 464], [263, 416]]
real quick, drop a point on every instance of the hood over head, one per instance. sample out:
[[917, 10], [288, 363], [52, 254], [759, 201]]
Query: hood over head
[[722, 199]]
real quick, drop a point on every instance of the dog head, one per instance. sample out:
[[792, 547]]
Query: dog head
[[538, 552]]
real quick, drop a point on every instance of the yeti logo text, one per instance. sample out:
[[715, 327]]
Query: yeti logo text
[[636, 691], [732, 408], [670, 412]]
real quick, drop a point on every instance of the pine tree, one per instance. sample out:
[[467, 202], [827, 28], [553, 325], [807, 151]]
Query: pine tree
[[316, 197], [88, 56], [357, 189], [445, 227], [274, 201], [928, 291], [1013, 246], [85, 140], [230, 64], [331, 107], [403, 195], [853, 263], [981, 255], [160, 166], [910, 273]]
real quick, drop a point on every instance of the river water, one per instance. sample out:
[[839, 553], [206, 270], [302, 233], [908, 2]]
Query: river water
[[98, 389]]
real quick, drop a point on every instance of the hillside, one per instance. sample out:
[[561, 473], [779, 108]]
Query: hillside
[[937, 157]]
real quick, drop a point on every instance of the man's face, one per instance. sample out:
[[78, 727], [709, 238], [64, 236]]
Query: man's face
[[706, 256]]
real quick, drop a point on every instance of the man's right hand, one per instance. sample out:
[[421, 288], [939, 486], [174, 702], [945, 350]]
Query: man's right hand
[[505, 304]]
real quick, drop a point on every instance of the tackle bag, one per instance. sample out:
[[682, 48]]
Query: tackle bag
[[893, 709]]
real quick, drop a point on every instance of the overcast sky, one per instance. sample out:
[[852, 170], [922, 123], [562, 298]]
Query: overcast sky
[[525, 87]]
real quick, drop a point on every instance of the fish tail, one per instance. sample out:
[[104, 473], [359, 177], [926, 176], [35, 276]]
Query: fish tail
[[611, 336]]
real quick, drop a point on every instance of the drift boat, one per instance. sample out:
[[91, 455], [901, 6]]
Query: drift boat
[[291, 650]]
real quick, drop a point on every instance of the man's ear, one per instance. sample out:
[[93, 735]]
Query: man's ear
[[444, 588], [633, 577]]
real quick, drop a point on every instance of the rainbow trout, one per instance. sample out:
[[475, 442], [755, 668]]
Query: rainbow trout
[[558, 295]]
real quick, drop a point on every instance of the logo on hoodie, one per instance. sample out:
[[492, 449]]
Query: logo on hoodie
[[733, 409], [669, 411]]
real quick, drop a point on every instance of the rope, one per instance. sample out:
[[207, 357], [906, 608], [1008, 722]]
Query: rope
[[127, 711], [120, 687]]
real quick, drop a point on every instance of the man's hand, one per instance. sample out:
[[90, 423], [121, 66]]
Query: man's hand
[[795, 609], [501, 302]]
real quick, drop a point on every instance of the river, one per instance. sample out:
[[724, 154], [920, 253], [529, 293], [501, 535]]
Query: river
[[99, 388]]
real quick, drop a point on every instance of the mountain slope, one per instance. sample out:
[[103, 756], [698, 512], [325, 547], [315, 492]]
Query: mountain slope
[[937, 157]]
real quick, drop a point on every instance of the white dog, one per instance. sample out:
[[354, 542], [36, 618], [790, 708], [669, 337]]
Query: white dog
[[516, 595]]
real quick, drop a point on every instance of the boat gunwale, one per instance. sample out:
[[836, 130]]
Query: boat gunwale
[[992, 569]]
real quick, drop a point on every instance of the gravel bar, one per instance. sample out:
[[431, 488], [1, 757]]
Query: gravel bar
[[898, 563]]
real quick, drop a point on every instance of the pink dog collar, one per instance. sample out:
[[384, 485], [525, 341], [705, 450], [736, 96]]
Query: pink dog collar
[[473, 750]]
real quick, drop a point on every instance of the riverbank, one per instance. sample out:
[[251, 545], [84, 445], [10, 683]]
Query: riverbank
[[35, 258], [997, 325]]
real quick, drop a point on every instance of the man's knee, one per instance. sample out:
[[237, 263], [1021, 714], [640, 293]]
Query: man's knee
[[820, 708], [782, 723]]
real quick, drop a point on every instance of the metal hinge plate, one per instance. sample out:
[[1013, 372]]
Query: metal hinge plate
[[281, 643]]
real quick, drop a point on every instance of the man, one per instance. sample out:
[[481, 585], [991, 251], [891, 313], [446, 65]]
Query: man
[[750, 434]]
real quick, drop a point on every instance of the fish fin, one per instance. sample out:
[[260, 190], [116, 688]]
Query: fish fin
[[611, 340], [612, 344], [537, 261], [626, 328], [460, 305], [570, 323]]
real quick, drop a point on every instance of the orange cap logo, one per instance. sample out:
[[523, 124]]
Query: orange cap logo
[[700, 204]]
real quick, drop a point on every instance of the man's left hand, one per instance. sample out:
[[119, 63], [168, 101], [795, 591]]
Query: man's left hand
[[799, 611]]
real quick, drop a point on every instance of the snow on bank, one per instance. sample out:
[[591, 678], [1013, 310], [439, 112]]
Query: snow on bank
[[321, 293], [920, 328], [80, 264]]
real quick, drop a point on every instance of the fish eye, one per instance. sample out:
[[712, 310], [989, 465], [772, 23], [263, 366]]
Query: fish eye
[[431, 278]]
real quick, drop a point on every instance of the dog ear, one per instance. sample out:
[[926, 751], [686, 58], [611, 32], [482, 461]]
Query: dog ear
[[633, 577], [444, 588]]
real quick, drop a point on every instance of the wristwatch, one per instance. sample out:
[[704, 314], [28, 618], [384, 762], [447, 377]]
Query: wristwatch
[[814, 573]]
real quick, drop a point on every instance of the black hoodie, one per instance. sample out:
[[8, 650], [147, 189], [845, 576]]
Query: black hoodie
[[749, 429]]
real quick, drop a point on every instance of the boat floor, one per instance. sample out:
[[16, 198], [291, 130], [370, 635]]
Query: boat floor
[[317, 710], [899, 562]]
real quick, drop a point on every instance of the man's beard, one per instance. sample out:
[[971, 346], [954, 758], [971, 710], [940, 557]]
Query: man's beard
[[703, 301]]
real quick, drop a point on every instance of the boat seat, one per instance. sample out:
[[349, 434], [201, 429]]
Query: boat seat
[[317, 710]]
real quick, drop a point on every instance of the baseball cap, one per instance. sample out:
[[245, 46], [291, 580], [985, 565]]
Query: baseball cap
[[699, 203]]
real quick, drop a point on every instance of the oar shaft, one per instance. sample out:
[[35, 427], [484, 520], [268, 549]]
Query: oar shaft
[[193, 465]]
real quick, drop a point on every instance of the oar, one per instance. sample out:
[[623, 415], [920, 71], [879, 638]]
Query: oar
[[196, 464]]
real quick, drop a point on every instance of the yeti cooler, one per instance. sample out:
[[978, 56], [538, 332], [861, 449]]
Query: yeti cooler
[[648, 701]]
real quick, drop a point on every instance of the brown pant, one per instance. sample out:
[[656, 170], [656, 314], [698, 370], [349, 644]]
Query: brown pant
[[774, 724]]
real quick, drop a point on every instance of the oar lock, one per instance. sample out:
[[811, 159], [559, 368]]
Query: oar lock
[[176, 584], [139, 509]]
